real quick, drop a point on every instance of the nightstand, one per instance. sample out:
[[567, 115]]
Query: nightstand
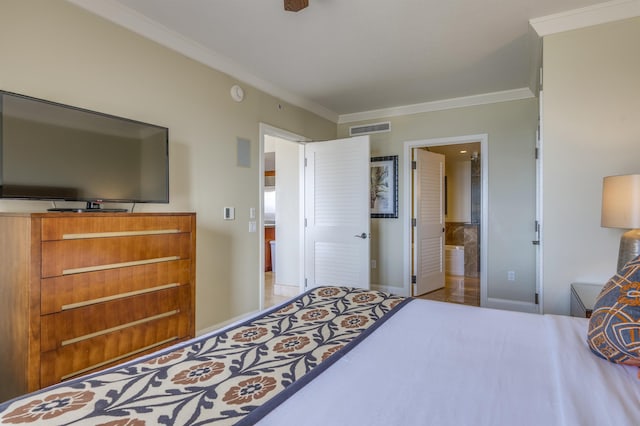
[[583, 297]]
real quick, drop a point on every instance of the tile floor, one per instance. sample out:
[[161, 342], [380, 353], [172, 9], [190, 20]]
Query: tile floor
[[271, 299], [457, 289]]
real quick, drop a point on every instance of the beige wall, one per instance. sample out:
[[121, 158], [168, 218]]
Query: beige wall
[[591, 120], [51, 49], [54, 50], [511, 128]]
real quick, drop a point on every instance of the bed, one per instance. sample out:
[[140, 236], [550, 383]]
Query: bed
[[343, 356]]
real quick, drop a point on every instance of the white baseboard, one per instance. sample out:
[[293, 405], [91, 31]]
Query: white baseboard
[[286, 290], [226, 324], [400, 291], [512, 305]]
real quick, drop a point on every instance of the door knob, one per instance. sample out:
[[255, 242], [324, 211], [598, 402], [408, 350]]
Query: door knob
[[363, 236]]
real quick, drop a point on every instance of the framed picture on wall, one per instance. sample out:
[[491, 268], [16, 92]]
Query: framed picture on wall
[[383, 189]]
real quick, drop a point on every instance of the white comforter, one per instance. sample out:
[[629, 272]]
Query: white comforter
[[441, 364]]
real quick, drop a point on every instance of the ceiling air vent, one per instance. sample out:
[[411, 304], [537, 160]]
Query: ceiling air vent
[[370, 128]]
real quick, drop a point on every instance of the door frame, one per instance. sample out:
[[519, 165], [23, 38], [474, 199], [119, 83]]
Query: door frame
[[484, 203], [268, 130], [539, 210]]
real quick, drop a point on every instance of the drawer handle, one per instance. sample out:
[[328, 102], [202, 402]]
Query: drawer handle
[[118, 234], [118, 265], [118, 358], [119, 327], [117, 296]]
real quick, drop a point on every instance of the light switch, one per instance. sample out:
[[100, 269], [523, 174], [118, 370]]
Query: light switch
[[252, 226], [229, 213], [252, 213]]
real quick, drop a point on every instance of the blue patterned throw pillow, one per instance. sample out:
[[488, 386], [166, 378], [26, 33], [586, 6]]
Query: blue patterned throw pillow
[[614, 327]]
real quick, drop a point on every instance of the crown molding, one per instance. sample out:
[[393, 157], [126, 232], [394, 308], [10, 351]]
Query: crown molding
[[140, 24], [586, 16], [486, 98], [123, 16]]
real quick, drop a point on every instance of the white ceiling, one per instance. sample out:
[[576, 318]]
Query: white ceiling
[[457, 152], [340, 57]]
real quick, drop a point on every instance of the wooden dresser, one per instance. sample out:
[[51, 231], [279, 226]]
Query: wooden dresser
[[83, 291]]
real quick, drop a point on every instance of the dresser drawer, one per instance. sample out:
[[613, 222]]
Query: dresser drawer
[[84, 292], [68, 257], [110, 349], [80, 324], [72, 291], [59, 228]]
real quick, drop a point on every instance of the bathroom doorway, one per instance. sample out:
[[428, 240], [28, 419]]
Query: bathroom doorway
[[462, 247]]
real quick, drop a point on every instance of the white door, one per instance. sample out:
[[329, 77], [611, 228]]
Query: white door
[[428, 208], [337, 213]]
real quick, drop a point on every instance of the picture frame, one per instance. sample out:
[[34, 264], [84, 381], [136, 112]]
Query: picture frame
[[383, 190]]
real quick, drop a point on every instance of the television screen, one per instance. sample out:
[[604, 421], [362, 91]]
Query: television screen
[[51, 151]]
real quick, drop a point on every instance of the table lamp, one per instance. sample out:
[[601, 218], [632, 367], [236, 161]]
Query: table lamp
[[621, 209]]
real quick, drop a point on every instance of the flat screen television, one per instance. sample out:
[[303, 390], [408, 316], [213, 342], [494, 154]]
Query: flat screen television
[[51, 151]]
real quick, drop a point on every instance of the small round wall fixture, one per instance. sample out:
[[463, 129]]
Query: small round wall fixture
[[237, 94]]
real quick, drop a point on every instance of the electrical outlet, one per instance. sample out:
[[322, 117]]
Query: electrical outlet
[[374, 264], [511, 275], [252, 226]]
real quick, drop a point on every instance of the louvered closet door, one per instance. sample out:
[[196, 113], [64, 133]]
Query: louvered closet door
[[429, 230], [337, 213]]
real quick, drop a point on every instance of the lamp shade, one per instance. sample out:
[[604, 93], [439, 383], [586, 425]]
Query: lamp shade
[[621, 202]]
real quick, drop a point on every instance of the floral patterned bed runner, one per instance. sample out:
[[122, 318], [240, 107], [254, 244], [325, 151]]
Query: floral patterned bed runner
[[231, 377]]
